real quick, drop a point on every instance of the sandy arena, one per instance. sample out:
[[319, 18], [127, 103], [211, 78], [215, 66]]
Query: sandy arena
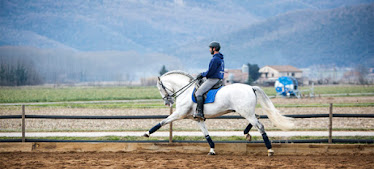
[[183, 155], [66, 155], [173, 160]]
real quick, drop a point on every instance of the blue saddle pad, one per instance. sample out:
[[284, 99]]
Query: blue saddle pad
[[210, 96]]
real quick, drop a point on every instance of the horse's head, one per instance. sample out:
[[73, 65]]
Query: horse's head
[[166, 93], [171, 82]]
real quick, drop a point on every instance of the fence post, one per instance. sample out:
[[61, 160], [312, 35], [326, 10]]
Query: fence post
[[330, 124], [171, 127], [23, 123]]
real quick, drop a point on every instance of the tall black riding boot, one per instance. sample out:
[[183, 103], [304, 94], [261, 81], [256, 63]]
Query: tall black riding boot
[[200, 107]]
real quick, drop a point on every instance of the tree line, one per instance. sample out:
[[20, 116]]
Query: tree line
[[253, 73], [18, 75]]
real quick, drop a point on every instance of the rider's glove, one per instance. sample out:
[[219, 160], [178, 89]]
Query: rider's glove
[[200, 76]]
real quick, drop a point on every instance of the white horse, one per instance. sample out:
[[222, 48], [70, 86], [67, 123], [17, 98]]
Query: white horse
[[240, 98]]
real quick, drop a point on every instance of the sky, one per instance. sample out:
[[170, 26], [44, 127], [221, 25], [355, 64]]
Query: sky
[[156, 32]]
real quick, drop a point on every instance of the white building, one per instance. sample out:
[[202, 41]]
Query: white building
[[270, 73]]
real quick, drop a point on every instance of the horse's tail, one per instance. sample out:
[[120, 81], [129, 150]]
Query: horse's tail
[[275, 117]]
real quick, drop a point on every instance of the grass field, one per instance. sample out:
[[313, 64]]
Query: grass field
[[341, 89], [46, 94], [49, 94]]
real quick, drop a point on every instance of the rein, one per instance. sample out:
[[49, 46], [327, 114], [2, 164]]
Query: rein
[[175, 94]]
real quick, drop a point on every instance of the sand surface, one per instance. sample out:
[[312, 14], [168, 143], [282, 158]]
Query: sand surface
[[173, 160]]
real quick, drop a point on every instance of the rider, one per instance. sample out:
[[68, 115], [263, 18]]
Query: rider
[[213, 75]]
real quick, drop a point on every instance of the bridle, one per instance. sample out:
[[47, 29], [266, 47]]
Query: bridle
[[168, 97]]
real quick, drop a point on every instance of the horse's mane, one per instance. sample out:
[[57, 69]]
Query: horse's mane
[[178, 72]]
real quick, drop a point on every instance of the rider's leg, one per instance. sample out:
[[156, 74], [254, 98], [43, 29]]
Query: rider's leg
[[200, 107], [203, 128], [174, 116], [205, 87]]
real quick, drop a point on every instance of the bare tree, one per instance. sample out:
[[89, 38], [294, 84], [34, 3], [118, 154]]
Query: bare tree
[[362, 71]]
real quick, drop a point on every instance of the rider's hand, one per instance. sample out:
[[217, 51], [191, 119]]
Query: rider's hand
[[200, 76]]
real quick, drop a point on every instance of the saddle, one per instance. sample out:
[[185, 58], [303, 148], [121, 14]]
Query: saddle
[[211, 93], [201, 81]]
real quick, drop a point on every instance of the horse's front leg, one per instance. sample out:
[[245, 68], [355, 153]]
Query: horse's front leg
[[203, 128], [174, 116]]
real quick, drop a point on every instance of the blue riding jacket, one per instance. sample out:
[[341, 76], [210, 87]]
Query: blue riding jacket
[[216, 67]]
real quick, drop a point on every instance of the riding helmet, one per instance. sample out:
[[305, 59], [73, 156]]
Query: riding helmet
[[215, 44]]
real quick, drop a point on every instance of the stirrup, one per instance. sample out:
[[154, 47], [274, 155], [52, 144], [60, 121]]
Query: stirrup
[[199, 116]]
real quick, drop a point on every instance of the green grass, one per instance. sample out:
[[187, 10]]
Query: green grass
[[47, 94], [150, 104], [335, 89], [188, 138], [325, 105], [50, 94], [342, 89]]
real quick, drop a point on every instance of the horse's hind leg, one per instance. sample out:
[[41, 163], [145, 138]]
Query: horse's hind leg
[[267, 142], [207, 137], [246, 132]]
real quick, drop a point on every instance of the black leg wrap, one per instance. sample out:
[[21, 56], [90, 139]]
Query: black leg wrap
[[249, 127], [211, 144], [266, 140], [155, 128]]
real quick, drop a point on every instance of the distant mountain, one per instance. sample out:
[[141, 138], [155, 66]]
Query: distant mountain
[[343, 36], [114, 40]]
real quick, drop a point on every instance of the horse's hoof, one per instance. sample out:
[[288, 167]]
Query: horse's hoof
[[270, 152], [146, 135], [211, 153], [248, 137]]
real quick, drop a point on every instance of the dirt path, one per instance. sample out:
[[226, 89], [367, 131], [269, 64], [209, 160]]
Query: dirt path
[[172, 160], [189, 133]]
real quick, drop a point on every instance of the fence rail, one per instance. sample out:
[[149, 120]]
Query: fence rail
[[165, 116], [23, 116]]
